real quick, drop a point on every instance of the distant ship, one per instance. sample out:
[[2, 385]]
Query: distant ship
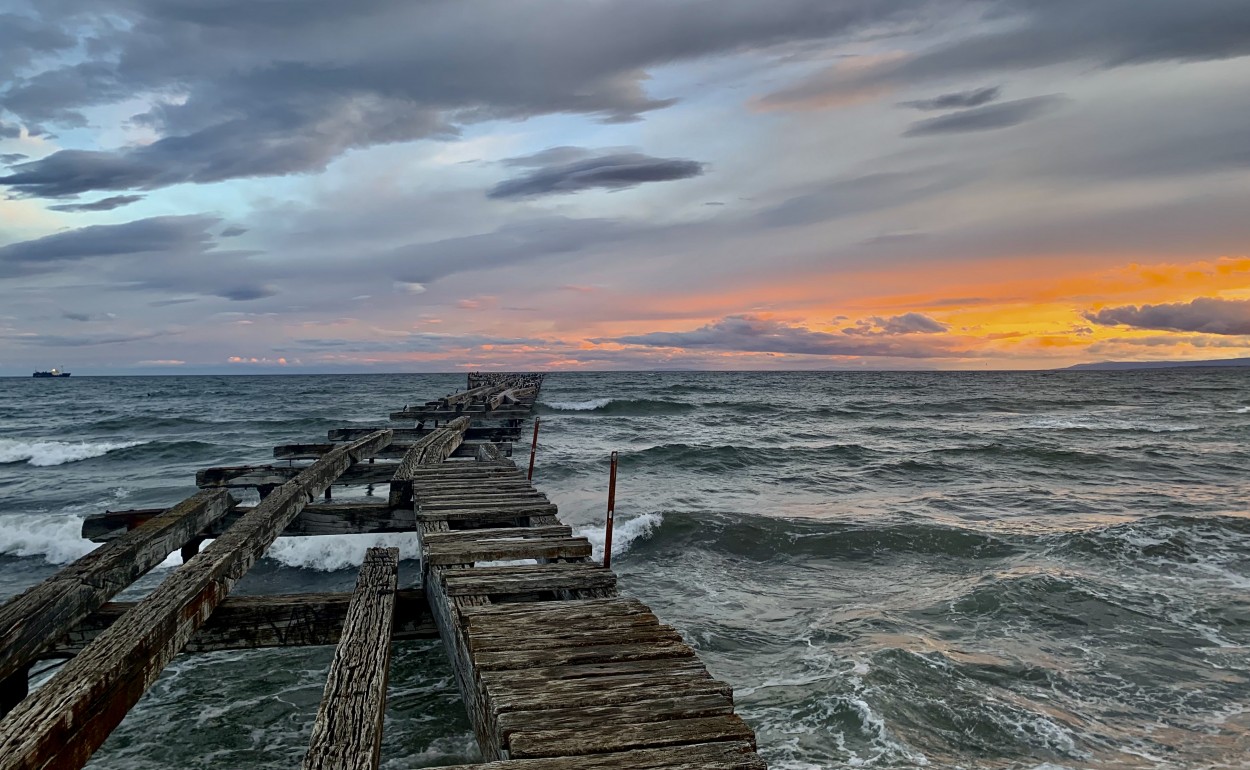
[[51, 373]]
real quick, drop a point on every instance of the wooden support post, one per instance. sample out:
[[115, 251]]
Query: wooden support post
[[348, 732], [37, 618], [65, 721]]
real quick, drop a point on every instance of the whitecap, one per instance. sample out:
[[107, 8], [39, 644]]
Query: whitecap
[[329, 553], [58, 539], [624, 533], [42, 452], [578, 406]]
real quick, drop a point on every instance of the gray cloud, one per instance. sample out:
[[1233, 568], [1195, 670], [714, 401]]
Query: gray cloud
[[104, 204], [170, 235], [285, 87], [1028, 34], [908, 323], [611, 172], [9, 158], [857, 195], [754, 334], [987, 118], [246, 293], [957, 100], [1206, 314], [9, 131], [233, 231]]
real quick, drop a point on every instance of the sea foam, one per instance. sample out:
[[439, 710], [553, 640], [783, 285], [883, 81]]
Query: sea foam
[[41, 452], [624, 533], [578, 406]]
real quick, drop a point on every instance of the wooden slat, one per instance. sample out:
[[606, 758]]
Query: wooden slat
[[553, 580], [604, 691], [395, 451], [651, 709], [275, 620], [511, 660], [599, 739], [467, 553], [502, 533], [486, 515], [35, 619], [347, 734], [66, 720], [405, 436], [315, 519], [727, 755], [243, 476]]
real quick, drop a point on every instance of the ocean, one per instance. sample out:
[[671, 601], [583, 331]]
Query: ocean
[[977, 570]]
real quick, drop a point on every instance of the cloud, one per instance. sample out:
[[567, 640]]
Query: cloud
[[286, 87], [558, 174], [987, 118], [1207, 315], [233, 232], [246, 293], [757, 334], [908, 323], [9, 158], [157, 235], [9, 131], [959, 99], [104, 204], [858, 195]]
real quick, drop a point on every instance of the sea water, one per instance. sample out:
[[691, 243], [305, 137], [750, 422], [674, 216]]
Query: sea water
[[980, 570]]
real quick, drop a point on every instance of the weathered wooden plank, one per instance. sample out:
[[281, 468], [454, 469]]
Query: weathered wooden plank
[[519, 584], [404, 436], [548, 638], [502, 533], [315, 519], [431, 450], [276, 620], [603, 691], [67, 719], [486, 515], [510, 660], [467, 553], [657, 709], [589, 674], [727, 755], [488, 451], [241, 476], [347, 734], [35, 619], [477, 413], [600, 739], [556, 613], [395, 451], [528, 502]]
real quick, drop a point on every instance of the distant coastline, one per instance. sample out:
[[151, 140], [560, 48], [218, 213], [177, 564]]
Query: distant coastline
[[1107, 366]]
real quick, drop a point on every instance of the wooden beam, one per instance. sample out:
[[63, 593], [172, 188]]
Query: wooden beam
[[409, 435], [431, 450], [35, 619], [275, 620], [396, 451], [65, 721], [319, 519], [348, 732]]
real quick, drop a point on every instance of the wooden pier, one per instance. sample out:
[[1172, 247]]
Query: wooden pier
[[556, 669]]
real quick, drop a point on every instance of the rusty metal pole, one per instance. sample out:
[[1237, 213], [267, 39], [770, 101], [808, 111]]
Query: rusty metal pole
[[533, 449], [607, 529]]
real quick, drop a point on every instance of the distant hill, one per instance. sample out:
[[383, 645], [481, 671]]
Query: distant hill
[[1122, 365]]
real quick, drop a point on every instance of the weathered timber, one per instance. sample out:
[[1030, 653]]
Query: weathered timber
[[347, 734], [527, 639], [261, 476], [726, 755], [488, 451], [315, 519], [67, 719], [35, 619], [483, 515], [478, 413], [510, 660], [276, 620], [475, 434], [395, 451], [599, 739], [640, 712], [431, 450], [603, 691], [502, 533], [469, 553]]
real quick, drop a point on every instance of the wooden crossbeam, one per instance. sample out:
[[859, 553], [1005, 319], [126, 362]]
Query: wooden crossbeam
[[317, 519], [431, 450], [348, 732], [253, 622], [396, 451], [65, 721], [35, 619]]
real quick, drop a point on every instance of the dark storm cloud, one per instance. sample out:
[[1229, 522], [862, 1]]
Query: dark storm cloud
[[104, 204], [285, 86], [754, 334], [1205, 314], [610, 172], [9, 131], [1027, 34], [9, 158], [22, 38], [988, 118], [247, 293], [233, 231], [171, 235], [958, 100]]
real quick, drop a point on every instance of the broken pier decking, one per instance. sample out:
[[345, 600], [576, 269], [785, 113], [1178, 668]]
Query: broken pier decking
[[556, 669]]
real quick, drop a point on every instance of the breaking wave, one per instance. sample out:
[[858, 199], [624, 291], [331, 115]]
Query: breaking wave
[[619, 407], [40, 452]]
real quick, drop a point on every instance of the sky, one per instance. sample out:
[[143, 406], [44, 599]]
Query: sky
[[255, 186]]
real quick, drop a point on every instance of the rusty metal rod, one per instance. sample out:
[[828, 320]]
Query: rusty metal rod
[[607, 529], [533, 449]]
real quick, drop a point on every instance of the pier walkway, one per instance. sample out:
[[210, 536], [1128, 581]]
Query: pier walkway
[[556, 669]]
